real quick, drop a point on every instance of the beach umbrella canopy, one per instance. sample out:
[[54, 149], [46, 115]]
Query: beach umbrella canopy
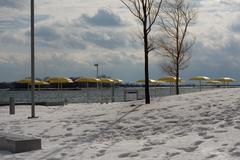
[[106, 80], [27, 81], [41, 83], [151, 81], [158, 82], [170, 79], [59, 80], [226, 79], [117, 81], [87, 80], [214, 82], [200, 78]]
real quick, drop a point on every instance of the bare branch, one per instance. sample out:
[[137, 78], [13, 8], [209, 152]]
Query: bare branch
[[175, 18], [146, 12]]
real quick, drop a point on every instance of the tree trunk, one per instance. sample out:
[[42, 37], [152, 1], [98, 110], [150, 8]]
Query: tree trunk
[[177, 79], [147, 95]]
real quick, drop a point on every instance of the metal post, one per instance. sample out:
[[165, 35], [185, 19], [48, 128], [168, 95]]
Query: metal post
[[96, 65], [200, 85], [113, 94], [155, 87], [170, 88], [32, 62], [125, 96], [87, 93], [12, 105]]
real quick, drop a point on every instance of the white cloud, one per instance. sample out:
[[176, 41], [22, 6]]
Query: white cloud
[[16, 4], [73, 35]]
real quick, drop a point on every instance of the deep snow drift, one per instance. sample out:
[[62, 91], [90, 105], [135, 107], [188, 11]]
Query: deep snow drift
[[196, 126]]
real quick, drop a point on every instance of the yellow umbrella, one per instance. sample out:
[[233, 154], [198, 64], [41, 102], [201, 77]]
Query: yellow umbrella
[[170, 79], [151, 81], [117, 81], [87, 80], [59, 80], [214, 82], [41, 83], [106, 80], [226, 80], [200, 79], [27, 81]]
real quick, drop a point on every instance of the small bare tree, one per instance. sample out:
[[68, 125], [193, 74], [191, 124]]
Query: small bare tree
[[175, 18], [146, 11]]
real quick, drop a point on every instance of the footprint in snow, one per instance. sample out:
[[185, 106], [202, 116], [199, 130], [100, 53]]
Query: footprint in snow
[[211, 156], [237, 127], [154, 143], [145, 149], [189, 149], [69, 129], [101, 152], [172, 154], [181, 134], [129, 154], [208, 137], [197, 143]]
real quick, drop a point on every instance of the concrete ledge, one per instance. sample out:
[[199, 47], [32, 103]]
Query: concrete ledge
[[37, 103], [18, 144], [51, 103]]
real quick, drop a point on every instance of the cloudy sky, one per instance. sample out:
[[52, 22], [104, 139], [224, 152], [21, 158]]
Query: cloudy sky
[[73, 35]]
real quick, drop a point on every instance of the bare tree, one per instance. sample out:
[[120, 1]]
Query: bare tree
[[146, 11], [175, 18]]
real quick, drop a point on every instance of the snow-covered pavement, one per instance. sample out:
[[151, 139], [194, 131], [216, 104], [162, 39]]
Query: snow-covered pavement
[[196, 126]]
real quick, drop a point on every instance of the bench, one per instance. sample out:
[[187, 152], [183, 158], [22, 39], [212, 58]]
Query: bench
[[17, 144], [130, 92], [51, 103]]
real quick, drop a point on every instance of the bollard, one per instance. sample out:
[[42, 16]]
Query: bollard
[[113, 94], [12, 105], [65, 101], [124, 96]]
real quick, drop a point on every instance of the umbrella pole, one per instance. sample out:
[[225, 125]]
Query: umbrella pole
[[113, 92], [170, 88], [101, 92], [61, 92], [155, 88], [28, 93], [58, 93], [87, 93], [200, 85]]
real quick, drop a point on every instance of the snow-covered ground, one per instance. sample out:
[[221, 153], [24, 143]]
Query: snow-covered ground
[[196, 126]]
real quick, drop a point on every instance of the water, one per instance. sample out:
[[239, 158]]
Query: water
[[89, 95]]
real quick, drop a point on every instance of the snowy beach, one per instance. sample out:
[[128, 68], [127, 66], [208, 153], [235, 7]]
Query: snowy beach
[[196, 126]]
